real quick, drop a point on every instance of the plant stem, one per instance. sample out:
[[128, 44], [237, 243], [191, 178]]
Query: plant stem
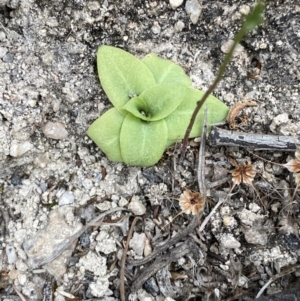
[[252, 20]]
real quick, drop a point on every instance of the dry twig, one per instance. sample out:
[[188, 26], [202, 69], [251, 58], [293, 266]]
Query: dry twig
[[220, 137], [160, 262], [287, 271], [123, 261]]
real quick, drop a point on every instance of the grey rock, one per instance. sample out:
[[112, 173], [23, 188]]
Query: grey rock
[[279, 120], [3, 51], [11, 254], [136, 206], [51, 241], [55, 130], [137, 243], [66, 198], [179, 25], [229, 242], [193, 9], [156, 28], [175, 3], [19, 148], [225, 48]]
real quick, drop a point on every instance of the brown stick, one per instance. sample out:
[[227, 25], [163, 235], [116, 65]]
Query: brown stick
[[220, 137], [201, 163], [184, 233], [123, 261], [160, 262]]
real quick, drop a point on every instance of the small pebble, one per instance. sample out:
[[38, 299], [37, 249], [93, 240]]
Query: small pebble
[[156, 28], [84, 239], [225, 48], [193, 9], [47, 58], [94, 263], [21, 266], [278, 120], [144, 296], [243, 281], [56, 104], [175, 3], [137, 243], [263, 45], [8, 58], [106, 244], [254, 207], [66, 198], [41, 160], [104, 206], [52, 22], [229, 221], [256, 236], [136, 206], [19, 148], [11, 254], [16, 179], [245, 9], [123, 202], [93, 5], [87, 184], [229, 242], [22, 279], [2, 35], [3, 51], [179, 25], [55, 130]]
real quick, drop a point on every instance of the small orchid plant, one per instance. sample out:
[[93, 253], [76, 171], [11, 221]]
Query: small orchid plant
[[152, 105]]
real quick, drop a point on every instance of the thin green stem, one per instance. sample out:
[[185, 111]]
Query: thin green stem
[[252, 20]]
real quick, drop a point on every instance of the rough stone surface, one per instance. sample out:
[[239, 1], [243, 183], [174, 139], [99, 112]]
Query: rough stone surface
[[42, 248]]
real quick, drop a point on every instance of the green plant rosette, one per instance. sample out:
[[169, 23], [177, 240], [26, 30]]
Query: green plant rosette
[[153, 103]]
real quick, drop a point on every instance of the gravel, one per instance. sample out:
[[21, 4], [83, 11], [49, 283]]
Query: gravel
[[54, 180]]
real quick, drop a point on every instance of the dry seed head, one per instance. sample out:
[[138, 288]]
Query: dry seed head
[[294, 164], [191, 202], [243, 174]]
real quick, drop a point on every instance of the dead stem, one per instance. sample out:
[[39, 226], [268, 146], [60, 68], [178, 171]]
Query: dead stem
[[285, 272], [201, 163], [123, 260]]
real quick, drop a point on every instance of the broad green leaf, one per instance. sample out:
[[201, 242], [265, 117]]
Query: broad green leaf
[[105, 132], [166, 71], [122, 75], [142, 143], [138, 107], [178, 121], [161, 100]]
